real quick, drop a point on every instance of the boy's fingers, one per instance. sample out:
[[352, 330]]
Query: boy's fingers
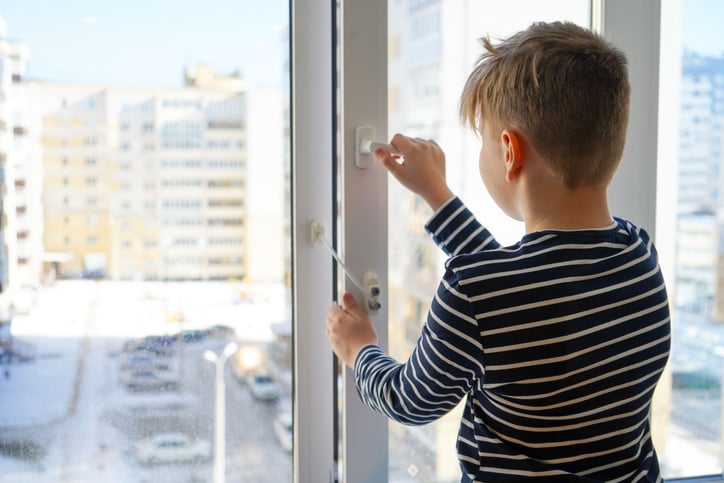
[[388, 161], [402, 142], [334, 314], [349, 302]]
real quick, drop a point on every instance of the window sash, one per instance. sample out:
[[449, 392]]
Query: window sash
[[311, 54], [363, 42], [363, 47]]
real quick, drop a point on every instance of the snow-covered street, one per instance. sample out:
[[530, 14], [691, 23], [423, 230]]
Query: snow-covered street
[[65, 417]]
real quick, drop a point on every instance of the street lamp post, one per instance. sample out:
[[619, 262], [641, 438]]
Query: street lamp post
[[220, 410]]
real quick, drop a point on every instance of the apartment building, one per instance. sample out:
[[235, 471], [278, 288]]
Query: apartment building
[[20, 173], [700, 259], [150, 183]]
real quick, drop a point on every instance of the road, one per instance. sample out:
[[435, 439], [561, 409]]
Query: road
[[92, 441]]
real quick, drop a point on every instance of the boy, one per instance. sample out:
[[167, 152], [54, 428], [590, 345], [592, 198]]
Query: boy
[[558, 341]]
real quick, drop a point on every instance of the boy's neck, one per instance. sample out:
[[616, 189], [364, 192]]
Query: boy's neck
[[567, 209]]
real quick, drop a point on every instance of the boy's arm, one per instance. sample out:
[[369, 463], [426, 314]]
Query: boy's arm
[[443, 366], [454, 229]]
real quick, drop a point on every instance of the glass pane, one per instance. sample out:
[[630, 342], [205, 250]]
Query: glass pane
[[694, 440], [145, 330], [433, 45]]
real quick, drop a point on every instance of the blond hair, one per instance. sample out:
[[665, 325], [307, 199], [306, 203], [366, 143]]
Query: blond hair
[[565, 88]]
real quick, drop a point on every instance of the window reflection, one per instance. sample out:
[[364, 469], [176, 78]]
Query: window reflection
[[694, 438]]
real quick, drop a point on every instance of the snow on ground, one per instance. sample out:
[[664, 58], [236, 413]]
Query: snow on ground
[[40, 392], [59, 402], [25, 394]]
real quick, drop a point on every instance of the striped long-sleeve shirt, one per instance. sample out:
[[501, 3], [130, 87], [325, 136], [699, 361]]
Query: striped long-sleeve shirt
[[557, 343]]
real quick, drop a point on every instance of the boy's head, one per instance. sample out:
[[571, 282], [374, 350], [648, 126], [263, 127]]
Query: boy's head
[[565, 88]]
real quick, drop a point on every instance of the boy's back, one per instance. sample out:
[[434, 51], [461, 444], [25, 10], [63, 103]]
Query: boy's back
[[572, 328]]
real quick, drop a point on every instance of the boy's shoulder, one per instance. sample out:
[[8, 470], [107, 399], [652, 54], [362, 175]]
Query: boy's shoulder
[[631, 229], [549, 248]]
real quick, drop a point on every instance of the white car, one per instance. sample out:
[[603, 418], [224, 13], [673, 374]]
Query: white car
[[148, 380], [263, 387], [283, 429], [172, 448]]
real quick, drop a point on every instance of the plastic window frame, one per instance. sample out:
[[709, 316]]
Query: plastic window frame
[[634, 27], [311, 29]]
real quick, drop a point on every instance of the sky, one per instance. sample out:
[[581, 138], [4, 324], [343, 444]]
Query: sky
[[148, 43], [702, 22]]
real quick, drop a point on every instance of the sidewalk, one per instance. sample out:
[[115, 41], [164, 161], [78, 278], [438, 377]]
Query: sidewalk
[[39, 392], [44, 391]]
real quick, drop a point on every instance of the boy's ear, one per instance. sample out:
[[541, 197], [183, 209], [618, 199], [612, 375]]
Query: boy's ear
[[513, 154]]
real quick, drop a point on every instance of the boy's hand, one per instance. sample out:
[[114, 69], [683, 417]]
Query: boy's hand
[[423, 169], [349, 329]]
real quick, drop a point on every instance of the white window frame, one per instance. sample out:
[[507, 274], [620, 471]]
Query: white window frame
[[311, 66], [363, 92], [632, 26]]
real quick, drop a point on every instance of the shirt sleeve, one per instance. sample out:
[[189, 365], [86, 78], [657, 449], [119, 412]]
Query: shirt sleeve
[[445, 363], [454, 229]]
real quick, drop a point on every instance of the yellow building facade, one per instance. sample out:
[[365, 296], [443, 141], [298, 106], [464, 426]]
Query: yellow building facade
[[144, 183]]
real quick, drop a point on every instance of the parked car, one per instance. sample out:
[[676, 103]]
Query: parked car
[[146, 413], [142, 361], [148, 380], [220, 331], [149, 348], [172, 448], [193, 335], [263, 387], [283, 429]]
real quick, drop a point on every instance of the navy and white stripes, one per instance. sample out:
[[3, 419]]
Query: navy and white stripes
[[557, 342]]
